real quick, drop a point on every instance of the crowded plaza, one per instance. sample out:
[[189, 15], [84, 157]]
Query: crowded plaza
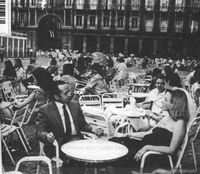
[[118, 110], [100, 87]]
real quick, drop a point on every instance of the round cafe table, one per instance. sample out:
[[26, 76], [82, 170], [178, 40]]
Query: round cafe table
[[94, 151]]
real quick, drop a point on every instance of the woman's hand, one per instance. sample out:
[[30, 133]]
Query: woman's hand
[[140, 153]]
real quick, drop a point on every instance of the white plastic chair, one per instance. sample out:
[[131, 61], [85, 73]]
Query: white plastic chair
[[179, 154], [96, 118], [114, 99], [9, 93], [192, 137], [32, 158], [30, 112], [90, 100], [55, 159], [15, 125]]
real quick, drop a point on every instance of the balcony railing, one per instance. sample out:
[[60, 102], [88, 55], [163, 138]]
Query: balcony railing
[[149, 28], [163, 29], [178, 29], [179, 9], [149, 7]]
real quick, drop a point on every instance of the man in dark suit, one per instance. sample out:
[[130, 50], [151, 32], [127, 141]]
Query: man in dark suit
[[61, 119]]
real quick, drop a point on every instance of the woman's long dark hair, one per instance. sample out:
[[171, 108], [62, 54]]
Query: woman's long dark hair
[[9, 69], [44, 79], [179, 109], [18, 63]]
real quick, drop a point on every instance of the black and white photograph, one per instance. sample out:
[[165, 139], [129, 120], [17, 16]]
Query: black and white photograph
[[100, 86]]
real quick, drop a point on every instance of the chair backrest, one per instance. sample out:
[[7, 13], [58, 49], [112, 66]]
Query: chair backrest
[[115, 99], [98, 121], [90, 100], [57, 155], [8, 91], [192, 129], [31, 109], [19, 116], [139, 88], [35, 158]]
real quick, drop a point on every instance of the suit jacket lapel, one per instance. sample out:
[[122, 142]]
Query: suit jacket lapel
[[56, 115], [73, 112]]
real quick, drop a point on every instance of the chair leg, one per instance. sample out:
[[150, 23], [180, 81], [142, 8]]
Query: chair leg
[[38, 167], [25, 139], [20, 136], [194, 156], [7, 149]]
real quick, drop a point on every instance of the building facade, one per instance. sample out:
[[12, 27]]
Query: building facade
[[142, 27]]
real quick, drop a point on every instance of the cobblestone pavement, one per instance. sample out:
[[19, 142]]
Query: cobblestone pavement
[[29, 168]]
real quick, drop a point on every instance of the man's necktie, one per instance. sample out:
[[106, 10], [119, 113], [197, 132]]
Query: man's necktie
[[67, 121]]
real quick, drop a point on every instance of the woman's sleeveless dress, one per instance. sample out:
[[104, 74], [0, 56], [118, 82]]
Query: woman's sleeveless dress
[[158, 137]]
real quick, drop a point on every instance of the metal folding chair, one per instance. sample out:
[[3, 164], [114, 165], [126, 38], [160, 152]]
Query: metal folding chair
[[90, 100], [9, 93], [32, 158], [15, 125], [114, 99], [193, 125]]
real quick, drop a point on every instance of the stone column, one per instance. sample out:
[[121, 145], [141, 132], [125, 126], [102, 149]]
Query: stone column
[[155, 45], [13, 47], [18, 42], [126, 45], [140, 45], [112, 44], [7, 45], [169, 46], [84, 44], [23, 45], [98, 43]]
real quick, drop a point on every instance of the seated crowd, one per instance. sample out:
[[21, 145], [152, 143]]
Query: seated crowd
[[60, 116]]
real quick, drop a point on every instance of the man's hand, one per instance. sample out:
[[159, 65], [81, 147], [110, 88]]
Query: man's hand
[[98, 131], [50, 137]]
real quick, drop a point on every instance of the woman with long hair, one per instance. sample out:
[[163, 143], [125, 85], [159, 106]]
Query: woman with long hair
[[172, 78], [44, 81], [9, 72], [166, 137], [97, 84], [19, 69]]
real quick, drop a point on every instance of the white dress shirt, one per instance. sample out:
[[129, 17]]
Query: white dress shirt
[[157, 99], [60, 109]]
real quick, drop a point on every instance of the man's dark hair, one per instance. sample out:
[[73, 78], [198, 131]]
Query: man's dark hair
[[56, 90]]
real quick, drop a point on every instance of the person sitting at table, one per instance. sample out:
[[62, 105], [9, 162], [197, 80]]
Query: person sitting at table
[[166, 137], [158, 95], [53, 67], [61, 119], [19, 69], [97, 84], [195, 89], [121, 71], [33, 65], [171, 77], [156, 72], [9, 72], [44, 82]]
